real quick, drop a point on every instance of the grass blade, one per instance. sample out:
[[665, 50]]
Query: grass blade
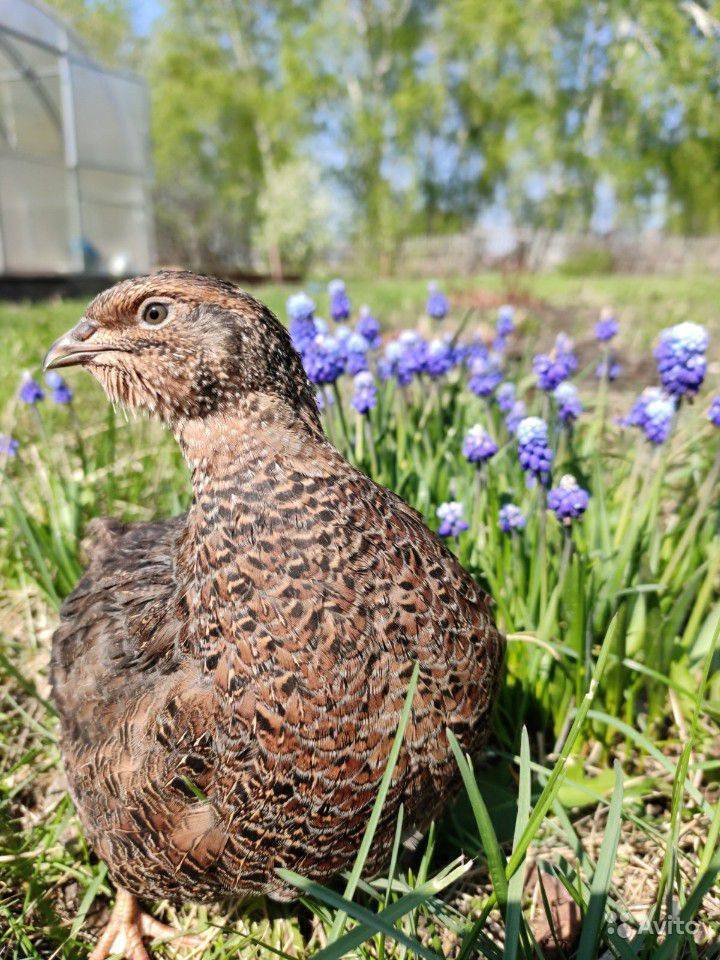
[[602, 878], [495, 857], [513, 915]]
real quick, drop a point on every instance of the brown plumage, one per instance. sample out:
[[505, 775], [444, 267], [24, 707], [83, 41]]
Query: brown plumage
[[229, 682]]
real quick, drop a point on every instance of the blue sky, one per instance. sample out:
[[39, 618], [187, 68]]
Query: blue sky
[[144, 14]]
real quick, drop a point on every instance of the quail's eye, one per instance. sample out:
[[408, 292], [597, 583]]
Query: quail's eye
[[154, 313]]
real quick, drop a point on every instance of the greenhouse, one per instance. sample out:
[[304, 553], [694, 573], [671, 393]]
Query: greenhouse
[[74, 155]]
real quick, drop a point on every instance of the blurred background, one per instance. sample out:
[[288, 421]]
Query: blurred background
[[391, 137]]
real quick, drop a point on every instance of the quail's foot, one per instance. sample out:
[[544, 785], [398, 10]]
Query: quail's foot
[[123, 935]]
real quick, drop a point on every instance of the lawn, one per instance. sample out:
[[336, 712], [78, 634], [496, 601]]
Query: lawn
[[601, 779]]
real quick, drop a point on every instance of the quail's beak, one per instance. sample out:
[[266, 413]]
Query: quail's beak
[[74, 347]]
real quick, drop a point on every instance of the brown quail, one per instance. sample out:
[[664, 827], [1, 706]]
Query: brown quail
[[229, 682]]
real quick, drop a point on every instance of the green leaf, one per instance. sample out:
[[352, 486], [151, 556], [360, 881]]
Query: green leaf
[[495, 857], [513, 914]]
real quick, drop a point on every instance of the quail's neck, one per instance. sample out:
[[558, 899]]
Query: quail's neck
[[235, 442]]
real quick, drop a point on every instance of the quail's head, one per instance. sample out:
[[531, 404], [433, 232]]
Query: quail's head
[[184, 346]]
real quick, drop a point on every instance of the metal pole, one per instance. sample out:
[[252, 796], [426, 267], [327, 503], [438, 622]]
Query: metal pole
[[71, 157]]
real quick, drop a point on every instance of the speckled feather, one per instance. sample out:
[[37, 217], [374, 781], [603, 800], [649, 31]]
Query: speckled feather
[[229, 682]]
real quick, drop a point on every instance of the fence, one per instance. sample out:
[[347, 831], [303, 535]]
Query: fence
[[536, 250]]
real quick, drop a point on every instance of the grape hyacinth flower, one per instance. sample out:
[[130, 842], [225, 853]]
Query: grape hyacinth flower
[[681, 361], [437, 305], [607, 326], [554, 367], [714, 411], [478, 446], [505, 323], [638, 412], [9, 446], [301, 313], [367, 326], [60, 391], [534, 451], [505, 396], [516, 415], [30, 390], [568, 500], [401, 358], [452, 519], [470, 351], [405, 356], [364, 397], [510, 518], [299, 306], [339, 300], [439, 359], [608, 369], [568, 401], [659, 414], [353, 350], [565, 350], [485, 375], [323, 359]]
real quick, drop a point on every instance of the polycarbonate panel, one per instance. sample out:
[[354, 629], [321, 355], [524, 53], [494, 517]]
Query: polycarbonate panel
[[30, 20], [116, 239], [31, 112], [108, 187], [35, 205], [111, 121]]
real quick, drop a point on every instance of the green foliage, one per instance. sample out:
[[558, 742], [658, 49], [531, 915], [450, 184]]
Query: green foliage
[[421, 115], [588, 262]]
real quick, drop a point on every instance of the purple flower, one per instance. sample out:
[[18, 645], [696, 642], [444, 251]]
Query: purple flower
[[608, 369], [470, 351], [554, 367], [339, 300], [437, 304], [659, 414], [714, 411], [568, 500], [485, 374], [439, 358], [534, 451], [353, 350], [565, 351], [505, 396], [9, 446], [403, 358], [303, 328], [30, 390], [568, 402], [323, 359], [638, 413], [300, 307], [517, 414], [681, 361], [511, 518], [452, 520], [607, 326], [364, 397], [505, 320], [60, 391], [478, 446], [367, 326]]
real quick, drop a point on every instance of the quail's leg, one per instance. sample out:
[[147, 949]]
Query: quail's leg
[[128, 925]]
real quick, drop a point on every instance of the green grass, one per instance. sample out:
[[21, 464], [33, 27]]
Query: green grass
[[609, 713]]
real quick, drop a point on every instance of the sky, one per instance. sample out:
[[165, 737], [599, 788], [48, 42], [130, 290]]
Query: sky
[[144, 14]]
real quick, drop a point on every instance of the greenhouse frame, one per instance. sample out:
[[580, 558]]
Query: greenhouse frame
[[74, 155]]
